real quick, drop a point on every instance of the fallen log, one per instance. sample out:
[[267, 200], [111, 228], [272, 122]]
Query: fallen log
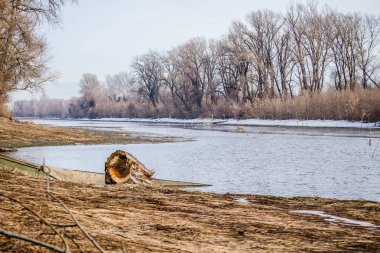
[[122, 167]]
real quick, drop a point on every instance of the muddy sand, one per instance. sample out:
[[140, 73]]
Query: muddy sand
[[157, 219]]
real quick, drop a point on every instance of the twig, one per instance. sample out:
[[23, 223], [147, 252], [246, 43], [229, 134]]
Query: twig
[[47, 173], [122, 244], [28, 239], [76, 244], [63, 225], [79, 225], [375, 148], [42, 219]]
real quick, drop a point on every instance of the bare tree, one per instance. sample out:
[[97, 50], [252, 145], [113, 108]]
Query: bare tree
[[171, 79], [237, 47], [120, 86], [90, 86], [261, 33], [23, 53], [316, 43], [191, 59], [344, 51], [210, 72], [187, 71], [148, 70], [367, 43], [228, 69], [92, 92], [297, 28], [284, 62]]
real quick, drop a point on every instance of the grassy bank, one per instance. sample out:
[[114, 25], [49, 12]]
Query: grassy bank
[[168, 220], [9, 164], [15, 134]]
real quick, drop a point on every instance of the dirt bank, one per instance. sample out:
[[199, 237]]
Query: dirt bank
[[14, 134], [168, 220]]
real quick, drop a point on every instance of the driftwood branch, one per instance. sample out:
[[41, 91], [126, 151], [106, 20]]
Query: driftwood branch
[[63, 225], [41, 219], [94, 242], [123, 245], [75, 243], [28, 239]]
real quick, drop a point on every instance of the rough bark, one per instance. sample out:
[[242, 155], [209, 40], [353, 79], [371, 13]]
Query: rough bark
[[122, 167]]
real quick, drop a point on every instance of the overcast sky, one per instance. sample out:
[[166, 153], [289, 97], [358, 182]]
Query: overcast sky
[[103, 36]]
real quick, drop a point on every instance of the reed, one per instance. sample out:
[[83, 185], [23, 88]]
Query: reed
[[360, 105]]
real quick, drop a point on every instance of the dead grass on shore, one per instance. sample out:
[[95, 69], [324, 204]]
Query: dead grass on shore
[[359, 105], [168, 220], [15, 134]]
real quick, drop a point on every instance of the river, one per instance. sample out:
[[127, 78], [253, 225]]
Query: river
[[280, 161]]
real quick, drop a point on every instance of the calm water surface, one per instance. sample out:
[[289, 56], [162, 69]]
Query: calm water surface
[[263, 160]]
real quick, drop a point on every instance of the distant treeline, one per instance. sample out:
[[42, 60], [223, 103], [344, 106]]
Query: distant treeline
[[306, 63]]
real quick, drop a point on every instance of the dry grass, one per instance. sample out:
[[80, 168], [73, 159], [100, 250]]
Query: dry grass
[[361, 105], [345, 105], [169, 220], [17, 134], [4, 110]]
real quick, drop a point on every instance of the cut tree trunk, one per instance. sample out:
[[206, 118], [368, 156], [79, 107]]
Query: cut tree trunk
[[122, 167]]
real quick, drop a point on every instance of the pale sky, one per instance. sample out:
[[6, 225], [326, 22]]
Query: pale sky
[[103, 36]]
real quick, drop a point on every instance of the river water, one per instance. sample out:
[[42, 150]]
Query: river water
[[334, 163]]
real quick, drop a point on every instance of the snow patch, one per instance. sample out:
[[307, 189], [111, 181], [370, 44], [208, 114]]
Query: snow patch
[[253, 122], [337, 219], [243, 200]]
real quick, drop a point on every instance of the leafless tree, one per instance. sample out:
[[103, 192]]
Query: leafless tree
[[263, 29], [297, 28], [228, 70], [191, 59], [120, 86], [284, 62], [236, 47], [344, 50], [92, 92], [316, 43], [210, 60], [148, 70], [90, 86], [367, 43], [171, 80], [23, 53]]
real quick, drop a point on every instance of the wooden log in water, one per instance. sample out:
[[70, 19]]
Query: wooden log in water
[[122, 167]]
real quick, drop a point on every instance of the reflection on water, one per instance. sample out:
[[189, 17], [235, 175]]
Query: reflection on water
[[260, 160]]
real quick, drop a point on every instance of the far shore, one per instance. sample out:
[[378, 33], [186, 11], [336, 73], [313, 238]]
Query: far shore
[[337, 124]]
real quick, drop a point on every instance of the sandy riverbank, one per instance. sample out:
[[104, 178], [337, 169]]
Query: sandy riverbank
[[169, 220]]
